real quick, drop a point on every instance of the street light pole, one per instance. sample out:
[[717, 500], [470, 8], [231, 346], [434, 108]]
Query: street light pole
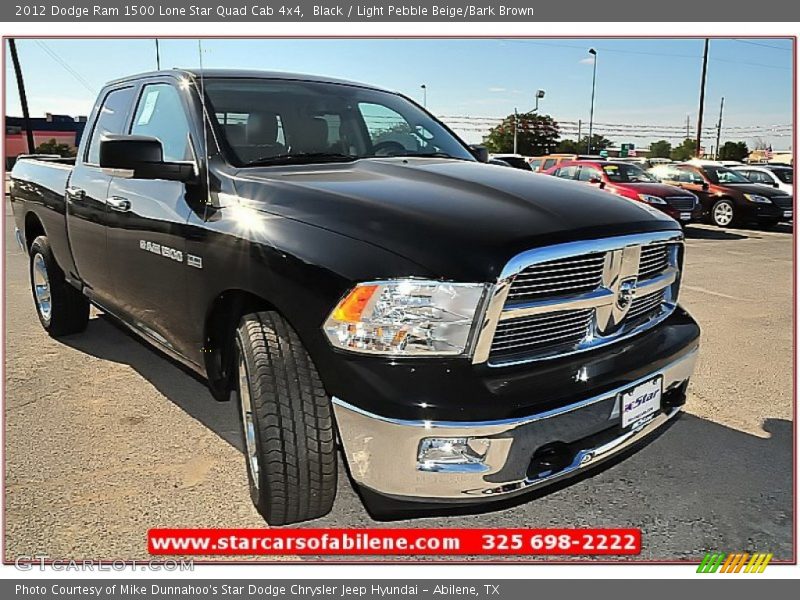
[[593, 52], [516, 126], [699, 140], [719, 125], [424, 89]]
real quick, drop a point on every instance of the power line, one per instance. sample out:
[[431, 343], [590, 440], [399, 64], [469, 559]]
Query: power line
[[752, 43], [647, 53], [68, 68]]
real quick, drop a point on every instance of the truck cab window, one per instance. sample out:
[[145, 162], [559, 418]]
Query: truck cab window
[[160, 114], [110, 120], [386, 126]]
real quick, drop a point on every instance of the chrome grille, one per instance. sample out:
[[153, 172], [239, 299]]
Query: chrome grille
[[547, 331], [782, 202], [646, 306], [653, 260], [572, 275], [572, 297], [681, 202]]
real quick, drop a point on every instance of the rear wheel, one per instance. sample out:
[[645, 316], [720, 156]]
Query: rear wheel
[[287, 422], [62, 309], [724, 213]]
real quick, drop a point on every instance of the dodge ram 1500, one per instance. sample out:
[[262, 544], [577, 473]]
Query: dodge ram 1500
[[338, 262]]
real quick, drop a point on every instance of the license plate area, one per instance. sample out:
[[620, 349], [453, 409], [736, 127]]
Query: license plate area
[[641, 402]]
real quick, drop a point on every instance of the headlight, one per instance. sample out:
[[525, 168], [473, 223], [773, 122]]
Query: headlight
[[406, 317], [651, 199], [757, 198]]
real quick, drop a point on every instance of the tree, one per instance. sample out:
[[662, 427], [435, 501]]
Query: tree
[[598, 143], [733, 151], [579, 147], [568, 147], [51, 146], [685, 151], [536, 135], [660, 149]]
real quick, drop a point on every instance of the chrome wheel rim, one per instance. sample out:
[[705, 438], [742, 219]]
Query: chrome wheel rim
[[723, 213], [248, 422], [41, 288]]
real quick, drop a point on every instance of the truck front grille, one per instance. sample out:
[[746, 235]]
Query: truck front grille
[[557, 330], [653, 261], [646, 306], [580, 295], [572, 275], [685, 203]]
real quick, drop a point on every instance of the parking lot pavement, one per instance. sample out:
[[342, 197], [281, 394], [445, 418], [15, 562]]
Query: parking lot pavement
[[105, 438]]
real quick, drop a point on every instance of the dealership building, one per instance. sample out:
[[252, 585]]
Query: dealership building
[[64, 129]]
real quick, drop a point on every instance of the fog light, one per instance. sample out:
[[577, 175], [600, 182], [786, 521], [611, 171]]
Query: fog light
[[441, 454]]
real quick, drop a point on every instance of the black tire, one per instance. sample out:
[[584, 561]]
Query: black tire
[[68, 310], [292, 422], [719, 213]]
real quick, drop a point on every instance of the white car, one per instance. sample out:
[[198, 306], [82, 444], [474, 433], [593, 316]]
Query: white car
[[779, 177]]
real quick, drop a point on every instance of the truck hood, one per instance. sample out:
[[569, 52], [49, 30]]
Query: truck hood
[[460, 220]]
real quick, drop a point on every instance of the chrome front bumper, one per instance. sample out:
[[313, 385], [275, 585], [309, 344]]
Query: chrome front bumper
[[382, 453]]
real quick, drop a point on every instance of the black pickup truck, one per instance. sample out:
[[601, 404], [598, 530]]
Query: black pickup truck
[[338, 262]]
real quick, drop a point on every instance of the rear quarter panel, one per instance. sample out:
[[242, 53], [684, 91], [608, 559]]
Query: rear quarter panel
[[38, 191]]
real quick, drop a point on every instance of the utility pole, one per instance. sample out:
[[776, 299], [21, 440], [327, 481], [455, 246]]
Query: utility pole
[[719, 124], [158, 57], [593, 52], [702, 100], [23, 97], [516, 126], [687, 127]]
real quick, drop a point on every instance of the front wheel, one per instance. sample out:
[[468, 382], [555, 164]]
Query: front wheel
[[62, 309], [287, 422], [724, 213]]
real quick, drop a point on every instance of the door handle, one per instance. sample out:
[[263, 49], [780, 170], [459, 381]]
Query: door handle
[[76, 193], [119, 204]]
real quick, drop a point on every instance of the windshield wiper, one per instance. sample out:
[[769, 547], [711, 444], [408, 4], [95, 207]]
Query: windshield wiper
[[301, 158]]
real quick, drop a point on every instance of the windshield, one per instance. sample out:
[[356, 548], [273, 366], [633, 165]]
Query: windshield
[[785, 175], [625, 173], [276, 121], [723, 176]]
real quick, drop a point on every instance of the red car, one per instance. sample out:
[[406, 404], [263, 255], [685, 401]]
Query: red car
[[632, 182]]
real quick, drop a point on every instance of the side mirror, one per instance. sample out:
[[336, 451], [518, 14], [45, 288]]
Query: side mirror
[[595, 180], [775, 184], [480, 153], [144, 156], [704, 185]]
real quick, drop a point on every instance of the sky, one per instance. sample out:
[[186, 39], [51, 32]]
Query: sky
[[652, 84]]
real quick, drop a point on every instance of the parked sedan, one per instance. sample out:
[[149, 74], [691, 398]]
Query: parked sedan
[[779, 177], [632, 182], [728, 198]]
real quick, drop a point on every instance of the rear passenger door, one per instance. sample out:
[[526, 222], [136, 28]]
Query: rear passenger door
[[146, 239], [86, 196]]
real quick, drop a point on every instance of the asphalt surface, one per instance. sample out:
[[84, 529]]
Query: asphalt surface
[[106, 438]]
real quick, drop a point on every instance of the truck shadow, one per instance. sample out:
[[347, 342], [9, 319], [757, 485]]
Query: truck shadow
[[690, 485]]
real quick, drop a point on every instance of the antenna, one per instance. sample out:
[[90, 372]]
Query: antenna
[[206, 121]]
